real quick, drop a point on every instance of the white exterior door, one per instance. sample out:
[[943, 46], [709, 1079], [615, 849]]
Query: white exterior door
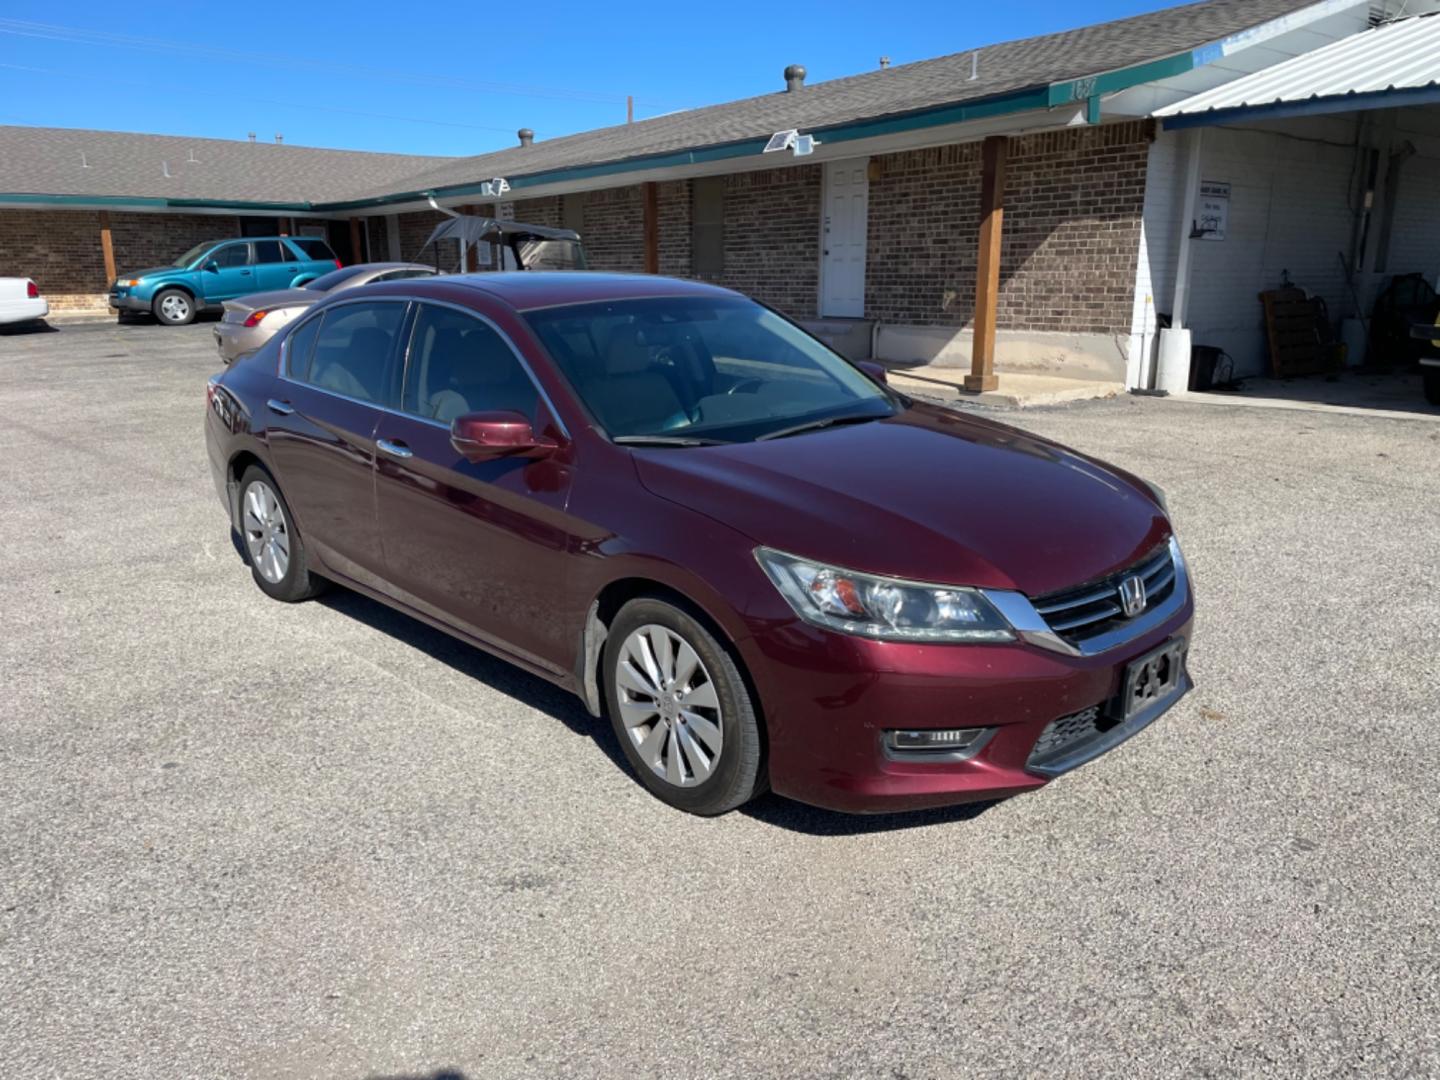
[[842, 258]]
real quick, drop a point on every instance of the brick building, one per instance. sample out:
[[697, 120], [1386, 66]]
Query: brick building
[[1025, 188]]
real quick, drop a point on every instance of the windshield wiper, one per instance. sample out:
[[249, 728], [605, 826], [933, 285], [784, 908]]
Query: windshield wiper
[[816, 425], [665, 440]]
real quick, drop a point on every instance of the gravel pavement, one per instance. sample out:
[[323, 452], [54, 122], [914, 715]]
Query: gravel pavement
[[246, 839]]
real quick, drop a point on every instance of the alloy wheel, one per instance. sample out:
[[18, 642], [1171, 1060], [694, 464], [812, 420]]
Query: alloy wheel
[[174, 307], [668, 705], [267, 534]]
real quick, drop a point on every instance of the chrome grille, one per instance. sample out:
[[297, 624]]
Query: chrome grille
[[1087, 611]]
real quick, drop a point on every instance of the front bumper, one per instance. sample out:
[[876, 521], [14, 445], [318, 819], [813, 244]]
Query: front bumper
[[128, 302], [828, 700]]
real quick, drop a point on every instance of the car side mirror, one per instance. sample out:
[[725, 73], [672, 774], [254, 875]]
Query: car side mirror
[[484, 436], [212, 266], [878, 372]]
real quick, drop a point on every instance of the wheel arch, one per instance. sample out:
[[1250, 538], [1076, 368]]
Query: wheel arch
[[607, 603]]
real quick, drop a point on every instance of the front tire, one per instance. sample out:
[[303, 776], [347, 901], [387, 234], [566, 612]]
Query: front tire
[[174, 307], [273, 547], [681, 709]]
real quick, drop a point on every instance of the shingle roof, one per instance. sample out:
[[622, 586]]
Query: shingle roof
[[48, 160], [1001, 69], [67, 161]]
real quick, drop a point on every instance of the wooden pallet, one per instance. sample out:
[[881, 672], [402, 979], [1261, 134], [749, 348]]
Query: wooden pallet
[[1297, 334]]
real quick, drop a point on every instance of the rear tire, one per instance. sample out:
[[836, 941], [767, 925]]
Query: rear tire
[[272, 544], [681, 709], [174, 307], [1432, 384]]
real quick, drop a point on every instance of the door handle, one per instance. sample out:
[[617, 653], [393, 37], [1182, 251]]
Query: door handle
[[284, 408], [394, 448]]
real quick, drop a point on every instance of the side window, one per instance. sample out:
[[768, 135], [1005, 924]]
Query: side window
[[299, 347], [269, 251], [401, 275], [232, 255], [458, 365], [353, 350]]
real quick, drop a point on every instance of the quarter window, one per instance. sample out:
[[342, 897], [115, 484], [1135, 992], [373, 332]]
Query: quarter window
[[459, 365], [353, 349], [299, 347]]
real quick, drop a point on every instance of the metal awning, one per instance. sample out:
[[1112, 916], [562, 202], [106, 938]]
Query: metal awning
[[1387, 66]]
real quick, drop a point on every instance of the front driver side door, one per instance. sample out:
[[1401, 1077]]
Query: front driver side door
[[227, 272], [483, 546]]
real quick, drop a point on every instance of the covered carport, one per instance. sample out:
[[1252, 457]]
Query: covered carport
[[1284, 205]]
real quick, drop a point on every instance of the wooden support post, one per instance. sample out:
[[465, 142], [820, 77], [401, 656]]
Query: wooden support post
[[107, 247], [987, 265], [652, 228], [357, 254]]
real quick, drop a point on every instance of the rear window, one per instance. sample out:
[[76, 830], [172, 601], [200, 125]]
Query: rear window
[[314, 247]]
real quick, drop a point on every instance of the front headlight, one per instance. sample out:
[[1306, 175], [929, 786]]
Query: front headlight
[[879, 607]]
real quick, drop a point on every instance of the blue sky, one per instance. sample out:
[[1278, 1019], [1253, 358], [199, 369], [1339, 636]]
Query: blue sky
[[461, 80]]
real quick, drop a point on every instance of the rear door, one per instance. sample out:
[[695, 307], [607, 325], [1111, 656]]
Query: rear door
[[275, 267], [228, 272], [339, 374], [482, 545]]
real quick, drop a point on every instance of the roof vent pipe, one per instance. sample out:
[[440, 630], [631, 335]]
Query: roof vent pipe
[[252, 136], [884, 61], [794, 77], [279, 138], [526, 136]]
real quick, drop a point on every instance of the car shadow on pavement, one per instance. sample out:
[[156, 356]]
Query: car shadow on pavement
[[813, 821], [536, 693], [441, 1074], [21, 329], [475, 663]]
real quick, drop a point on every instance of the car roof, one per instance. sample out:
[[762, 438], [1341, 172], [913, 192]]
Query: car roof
[[526, 290]]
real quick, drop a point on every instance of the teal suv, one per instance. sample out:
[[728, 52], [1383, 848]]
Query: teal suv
[[218, 270]]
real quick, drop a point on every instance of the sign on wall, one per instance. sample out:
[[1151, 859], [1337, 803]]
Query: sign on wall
[[1213, 214]]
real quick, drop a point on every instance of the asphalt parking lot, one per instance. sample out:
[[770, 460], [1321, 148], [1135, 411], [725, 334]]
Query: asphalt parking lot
[[245, 839]]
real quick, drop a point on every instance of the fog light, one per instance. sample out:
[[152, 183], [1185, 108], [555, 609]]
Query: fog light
[[944, 740]]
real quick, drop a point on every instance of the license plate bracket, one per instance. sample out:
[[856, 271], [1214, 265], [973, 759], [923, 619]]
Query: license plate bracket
[[1152, 678]]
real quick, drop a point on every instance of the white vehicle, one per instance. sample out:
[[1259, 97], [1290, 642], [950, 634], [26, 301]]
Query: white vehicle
[[20, 301]]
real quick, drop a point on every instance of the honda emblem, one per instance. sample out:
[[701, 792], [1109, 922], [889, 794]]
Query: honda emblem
[[1132, 596]]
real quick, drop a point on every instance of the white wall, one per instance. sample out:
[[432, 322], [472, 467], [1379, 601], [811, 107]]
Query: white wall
[[1292, 208]]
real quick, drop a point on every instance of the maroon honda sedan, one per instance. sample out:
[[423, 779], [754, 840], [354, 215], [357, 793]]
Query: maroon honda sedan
[[763, 565]]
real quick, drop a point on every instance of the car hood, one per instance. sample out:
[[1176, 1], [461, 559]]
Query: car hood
[[153, 271], [275, 299], [929, 495]]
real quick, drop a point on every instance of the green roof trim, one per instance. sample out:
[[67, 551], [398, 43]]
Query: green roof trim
[[151, 202]]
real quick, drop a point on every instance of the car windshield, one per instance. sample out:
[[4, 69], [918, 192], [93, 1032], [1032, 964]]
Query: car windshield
[[326, 282], [194, 253], [685, 371]]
